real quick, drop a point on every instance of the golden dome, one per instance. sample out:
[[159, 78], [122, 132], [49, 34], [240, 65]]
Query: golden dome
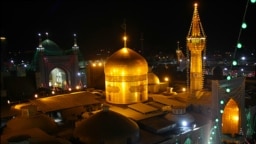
[[126, 79], [153, 78], [126, 62]]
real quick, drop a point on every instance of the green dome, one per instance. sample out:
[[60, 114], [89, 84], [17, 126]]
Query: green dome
[[51, 48]]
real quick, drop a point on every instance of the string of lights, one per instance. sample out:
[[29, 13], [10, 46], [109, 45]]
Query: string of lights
[[239, 44], [216, 125]]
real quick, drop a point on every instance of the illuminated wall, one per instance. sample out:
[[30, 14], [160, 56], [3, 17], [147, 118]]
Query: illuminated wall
[[126, 79]]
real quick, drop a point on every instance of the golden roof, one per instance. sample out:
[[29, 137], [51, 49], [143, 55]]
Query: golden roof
[[126, 62]]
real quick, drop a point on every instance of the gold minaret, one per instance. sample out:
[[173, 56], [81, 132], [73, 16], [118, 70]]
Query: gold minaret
[[196, 41]]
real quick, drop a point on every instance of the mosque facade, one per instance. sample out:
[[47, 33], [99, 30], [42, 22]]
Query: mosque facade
[[56, 67]]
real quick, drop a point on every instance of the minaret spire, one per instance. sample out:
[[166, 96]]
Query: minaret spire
[[40, 46], [75, 46], [196, 28], [40, 40], [196, 41]]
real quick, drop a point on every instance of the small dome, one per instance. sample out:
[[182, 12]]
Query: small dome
[[153, 78], [127, 61], [107, 127], [217, 72], [41, 121], [51, 48]]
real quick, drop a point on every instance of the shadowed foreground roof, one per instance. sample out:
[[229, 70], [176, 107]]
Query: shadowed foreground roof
[[107, 126]]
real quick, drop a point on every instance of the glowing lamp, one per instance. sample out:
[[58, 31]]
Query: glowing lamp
[[253, 1], [227, 90], [239, 45], [234, 63], [229, 77], [221, 102], [244, 25]]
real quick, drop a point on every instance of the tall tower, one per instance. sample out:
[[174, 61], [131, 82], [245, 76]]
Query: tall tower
[[196, 41]]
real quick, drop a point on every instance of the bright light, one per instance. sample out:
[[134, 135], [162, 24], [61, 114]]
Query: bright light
[[234, 63], [228, 90], [36, 96], [221, 102], [78, 87], [253, 1], [235, 118], [229, 77], [243, 58], [125, 38], [239, 45], [244, 25], [184, 89], [166, 79], [184, 123], [2, 38]]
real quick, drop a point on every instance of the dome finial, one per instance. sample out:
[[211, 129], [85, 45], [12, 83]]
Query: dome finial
[[125, 37]]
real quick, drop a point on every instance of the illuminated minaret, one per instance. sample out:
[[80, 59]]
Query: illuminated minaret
[[196, 41], [75, 46]]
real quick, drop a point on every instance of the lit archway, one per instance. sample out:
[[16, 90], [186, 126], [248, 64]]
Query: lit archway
[[57, 78], [230, 118], [188, 141]]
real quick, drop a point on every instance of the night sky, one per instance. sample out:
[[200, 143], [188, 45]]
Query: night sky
[[98, 24]]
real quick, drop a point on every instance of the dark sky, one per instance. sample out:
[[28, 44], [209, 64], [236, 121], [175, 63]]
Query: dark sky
[[98, 23]]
